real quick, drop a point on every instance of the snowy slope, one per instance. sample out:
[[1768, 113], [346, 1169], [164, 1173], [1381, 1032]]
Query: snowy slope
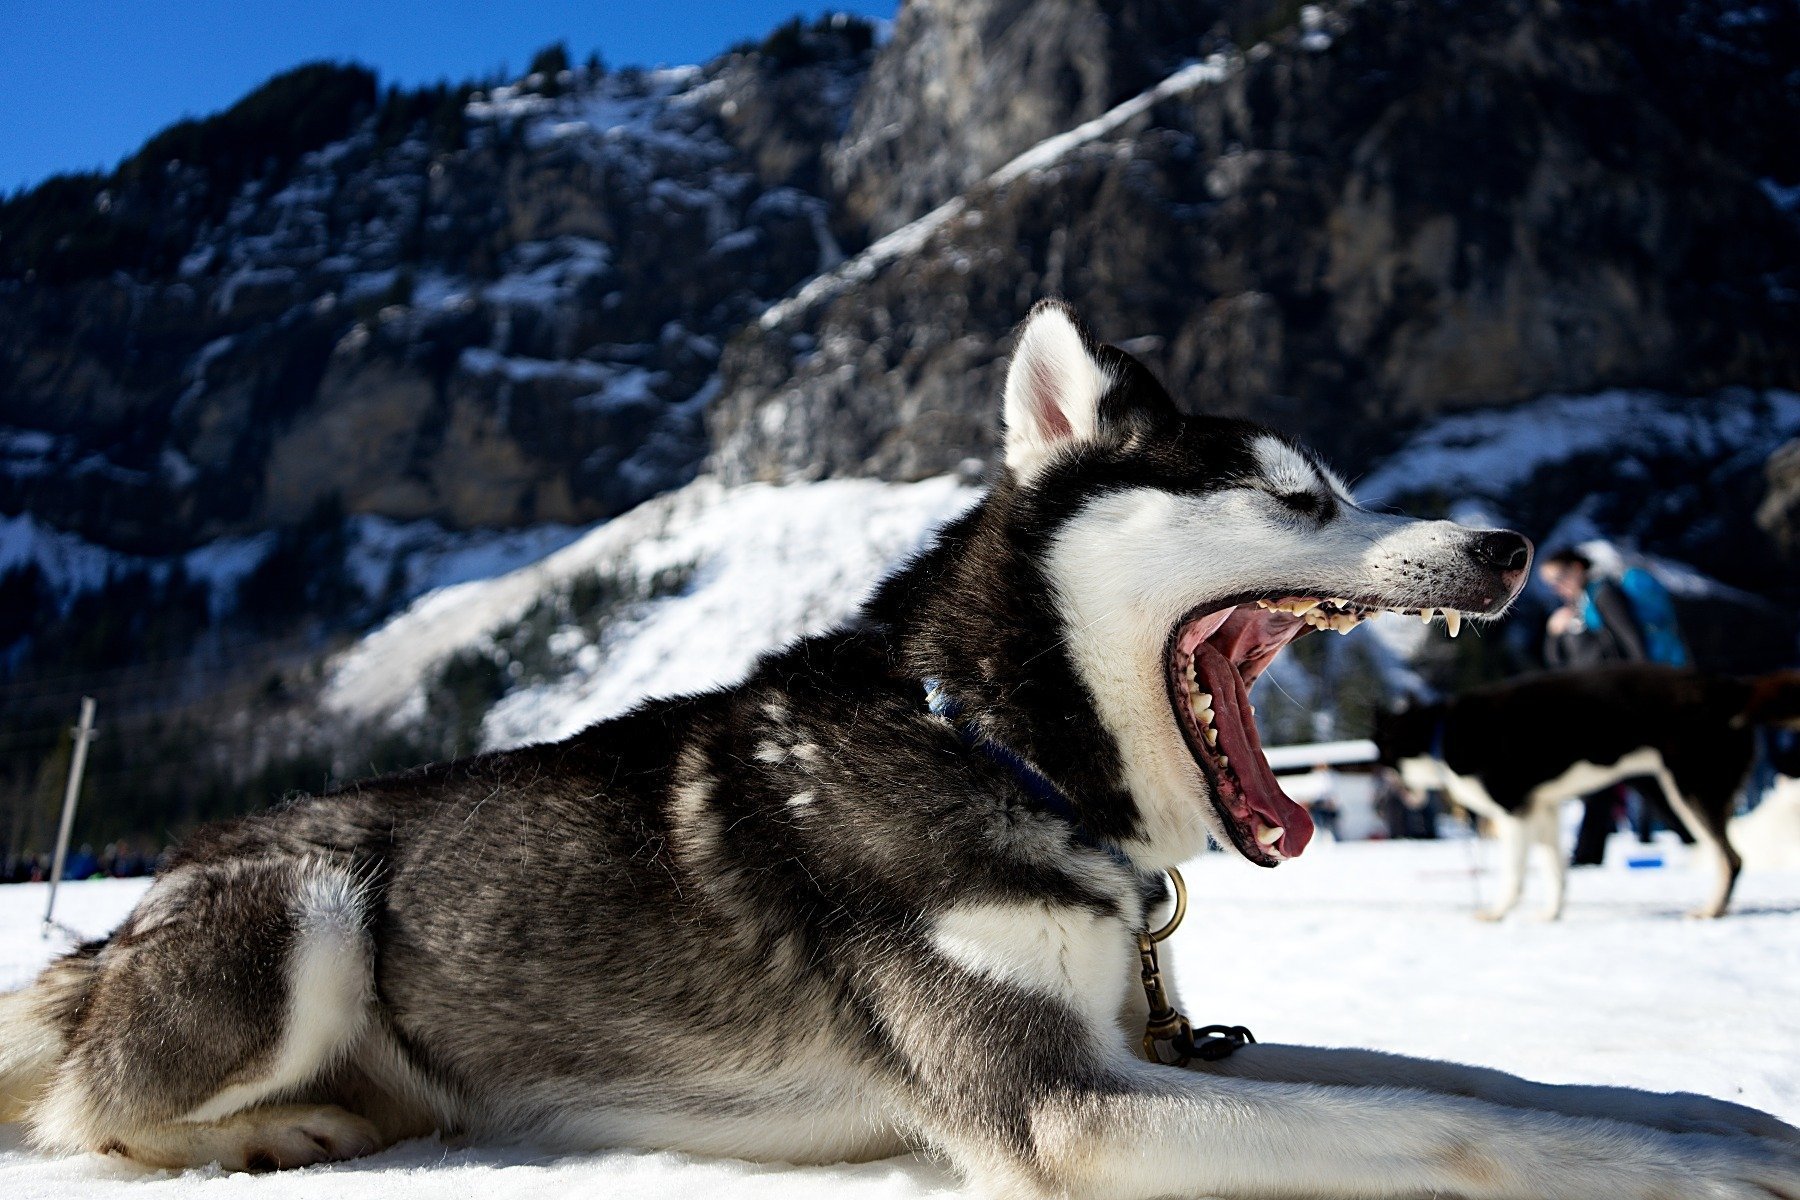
[[1366, 944], [768, 564], [1491, 452]]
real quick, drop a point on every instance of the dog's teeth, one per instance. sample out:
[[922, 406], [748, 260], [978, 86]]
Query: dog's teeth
[[1224, 760], [1211, 735], [1268, 835], [1302, 607], [1425, 614], [1452, 621]]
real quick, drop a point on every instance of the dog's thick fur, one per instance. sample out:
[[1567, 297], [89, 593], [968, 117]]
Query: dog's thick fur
[[801, 919], [1513, 752]]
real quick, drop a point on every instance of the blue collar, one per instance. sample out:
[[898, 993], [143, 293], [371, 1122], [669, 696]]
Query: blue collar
[[1037, 785]]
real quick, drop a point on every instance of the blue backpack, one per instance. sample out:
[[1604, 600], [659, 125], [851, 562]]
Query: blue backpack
[[1655, 612]]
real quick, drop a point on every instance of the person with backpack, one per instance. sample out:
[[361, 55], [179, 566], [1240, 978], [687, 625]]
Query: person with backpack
[[1631, 619], [1602, 620]]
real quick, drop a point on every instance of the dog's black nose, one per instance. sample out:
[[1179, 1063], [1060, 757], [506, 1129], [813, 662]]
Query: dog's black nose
[[1502, 550]]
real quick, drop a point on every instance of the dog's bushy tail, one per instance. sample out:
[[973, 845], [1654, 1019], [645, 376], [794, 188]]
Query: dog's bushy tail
[[1774, 700], [35, 1024]]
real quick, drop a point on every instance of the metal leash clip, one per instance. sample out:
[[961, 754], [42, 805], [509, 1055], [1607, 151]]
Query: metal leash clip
[[1168, 1038]]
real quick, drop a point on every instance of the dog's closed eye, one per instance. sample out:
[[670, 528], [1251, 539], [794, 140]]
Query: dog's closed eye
[[1309, 504]]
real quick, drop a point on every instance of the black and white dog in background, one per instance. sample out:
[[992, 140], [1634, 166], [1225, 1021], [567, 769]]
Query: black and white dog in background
[[812, 918], [1513, 752]]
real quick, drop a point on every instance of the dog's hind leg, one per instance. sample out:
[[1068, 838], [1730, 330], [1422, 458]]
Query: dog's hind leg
[[213, 1021], [1547, 839], [1514, 839], [1705, 817]]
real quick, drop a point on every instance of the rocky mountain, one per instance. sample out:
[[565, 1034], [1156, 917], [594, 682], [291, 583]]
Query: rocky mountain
[[498, 307], [962, 88], [294, 364]]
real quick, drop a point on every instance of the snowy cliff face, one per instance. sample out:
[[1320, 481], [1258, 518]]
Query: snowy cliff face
[[1386, 212], [513, 324], [963, 86]]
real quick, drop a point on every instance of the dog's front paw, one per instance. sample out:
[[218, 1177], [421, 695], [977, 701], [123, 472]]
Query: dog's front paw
[[288, 1136]]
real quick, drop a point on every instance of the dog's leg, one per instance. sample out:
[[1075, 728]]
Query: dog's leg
[[1012, 1068], [1675, 1112], [232, 986], [1705, 818], [1547, 839], [1514, 839]]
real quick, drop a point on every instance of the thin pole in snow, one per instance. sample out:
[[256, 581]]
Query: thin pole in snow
[[84, 733]]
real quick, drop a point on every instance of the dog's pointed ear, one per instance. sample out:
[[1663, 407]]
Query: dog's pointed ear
[[1053, 388]]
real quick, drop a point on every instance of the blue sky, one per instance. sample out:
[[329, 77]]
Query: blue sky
[[82, 84]]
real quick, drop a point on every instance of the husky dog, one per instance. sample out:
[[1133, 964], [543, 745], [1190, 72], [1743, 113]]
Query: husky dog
[[1513, 752], [812, 917]]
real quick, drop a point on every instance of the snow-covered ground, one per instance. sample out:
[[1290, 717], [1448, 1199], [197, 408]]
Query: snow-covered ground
[[1366, 944]]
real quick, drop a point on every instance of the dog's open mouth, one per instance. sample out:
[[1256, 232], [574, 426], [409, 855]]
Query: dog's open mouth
[[1213, 659]]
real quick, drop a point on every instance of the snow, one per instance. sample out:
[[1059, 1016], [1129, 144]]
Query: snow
[[633, 387], [477, 360], [1494, 451], [1785, 197], [1368, 944], [759, 579], [29, 452], [428, 556], [224, 563], [72, 565], [550, 271], [69, 563], [422, 554]]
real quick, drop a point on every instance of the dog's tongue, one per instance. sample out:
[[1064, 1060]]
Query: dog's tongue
[[1258, 799]]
